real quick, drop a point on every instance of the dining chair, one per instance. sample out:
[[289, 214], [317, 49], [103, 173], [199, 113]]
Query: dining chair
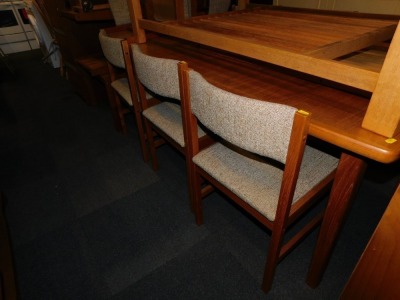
[[162, 113], [124, 98], [261, 162]]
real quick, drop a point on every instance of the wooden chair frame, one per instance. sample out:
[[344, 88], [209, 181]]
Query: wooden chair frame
[[137, 109], [286, 213], [119, 109], [156, 137]]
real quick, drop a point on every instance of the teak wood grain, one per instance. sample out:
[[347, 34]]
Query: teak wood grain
[[376, 274], [307, 41], [383, 114], [337, 115]]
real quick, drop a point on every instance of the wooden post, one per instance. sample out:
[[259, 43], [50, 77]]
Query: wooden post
[[383, 113], [135, 11]]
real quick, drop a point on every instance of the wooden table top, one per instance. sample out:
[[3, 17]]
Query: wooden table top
[[336, 114], [309, 41], [317, 35]]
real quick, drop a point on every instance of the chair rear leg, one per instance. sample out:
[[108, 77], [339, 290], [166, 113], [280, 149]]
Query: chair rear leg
[[152, 145]]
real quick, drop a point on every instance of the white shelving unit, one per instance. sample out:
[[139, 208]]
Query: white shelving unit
[[16, 32]]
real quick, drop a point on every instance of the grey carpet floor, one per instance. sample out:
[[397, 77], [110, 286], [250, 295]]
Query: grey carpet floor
[[90, 220]]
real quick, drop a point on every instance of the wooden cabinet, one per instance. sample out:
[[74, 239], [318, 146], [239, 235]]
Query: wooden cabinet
[[376, 274], [76, 33]]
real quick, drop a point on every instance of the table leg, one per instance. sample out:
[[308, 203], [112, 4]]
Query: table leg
[[348, 177]]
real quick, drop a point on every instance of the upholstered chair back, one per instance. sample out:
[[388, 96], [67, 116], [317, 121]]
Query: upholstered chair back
[[257, 126], [160, 75], [112, 49]]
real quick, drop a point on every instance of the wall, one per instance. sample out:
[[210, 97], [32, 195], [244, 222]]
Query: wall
[[367, 6]]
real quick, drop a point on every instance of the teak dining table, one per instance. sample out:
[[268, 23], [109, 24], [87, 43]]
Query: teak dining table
[[336, 66]]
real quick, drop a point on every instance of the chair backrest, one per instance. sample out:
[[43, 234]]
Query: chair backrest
[[257, 126], [159, 75], [112, 49], [120, 11]]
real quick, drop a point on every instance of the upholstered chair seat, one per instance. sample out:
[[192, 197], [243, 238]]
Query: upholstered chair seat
[[254, 181], [168, 117], [122, 87]]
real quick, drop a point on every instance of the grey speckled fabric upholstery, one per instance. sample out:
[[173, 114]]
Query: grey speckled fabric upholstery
[[112, 49], [120, 11], [167, 116], [159, 75], [257, 126], [122, 87]]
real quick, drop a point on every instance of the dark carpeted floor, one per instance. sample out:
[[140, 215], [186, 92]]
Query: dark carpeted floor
[[90, 220]]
